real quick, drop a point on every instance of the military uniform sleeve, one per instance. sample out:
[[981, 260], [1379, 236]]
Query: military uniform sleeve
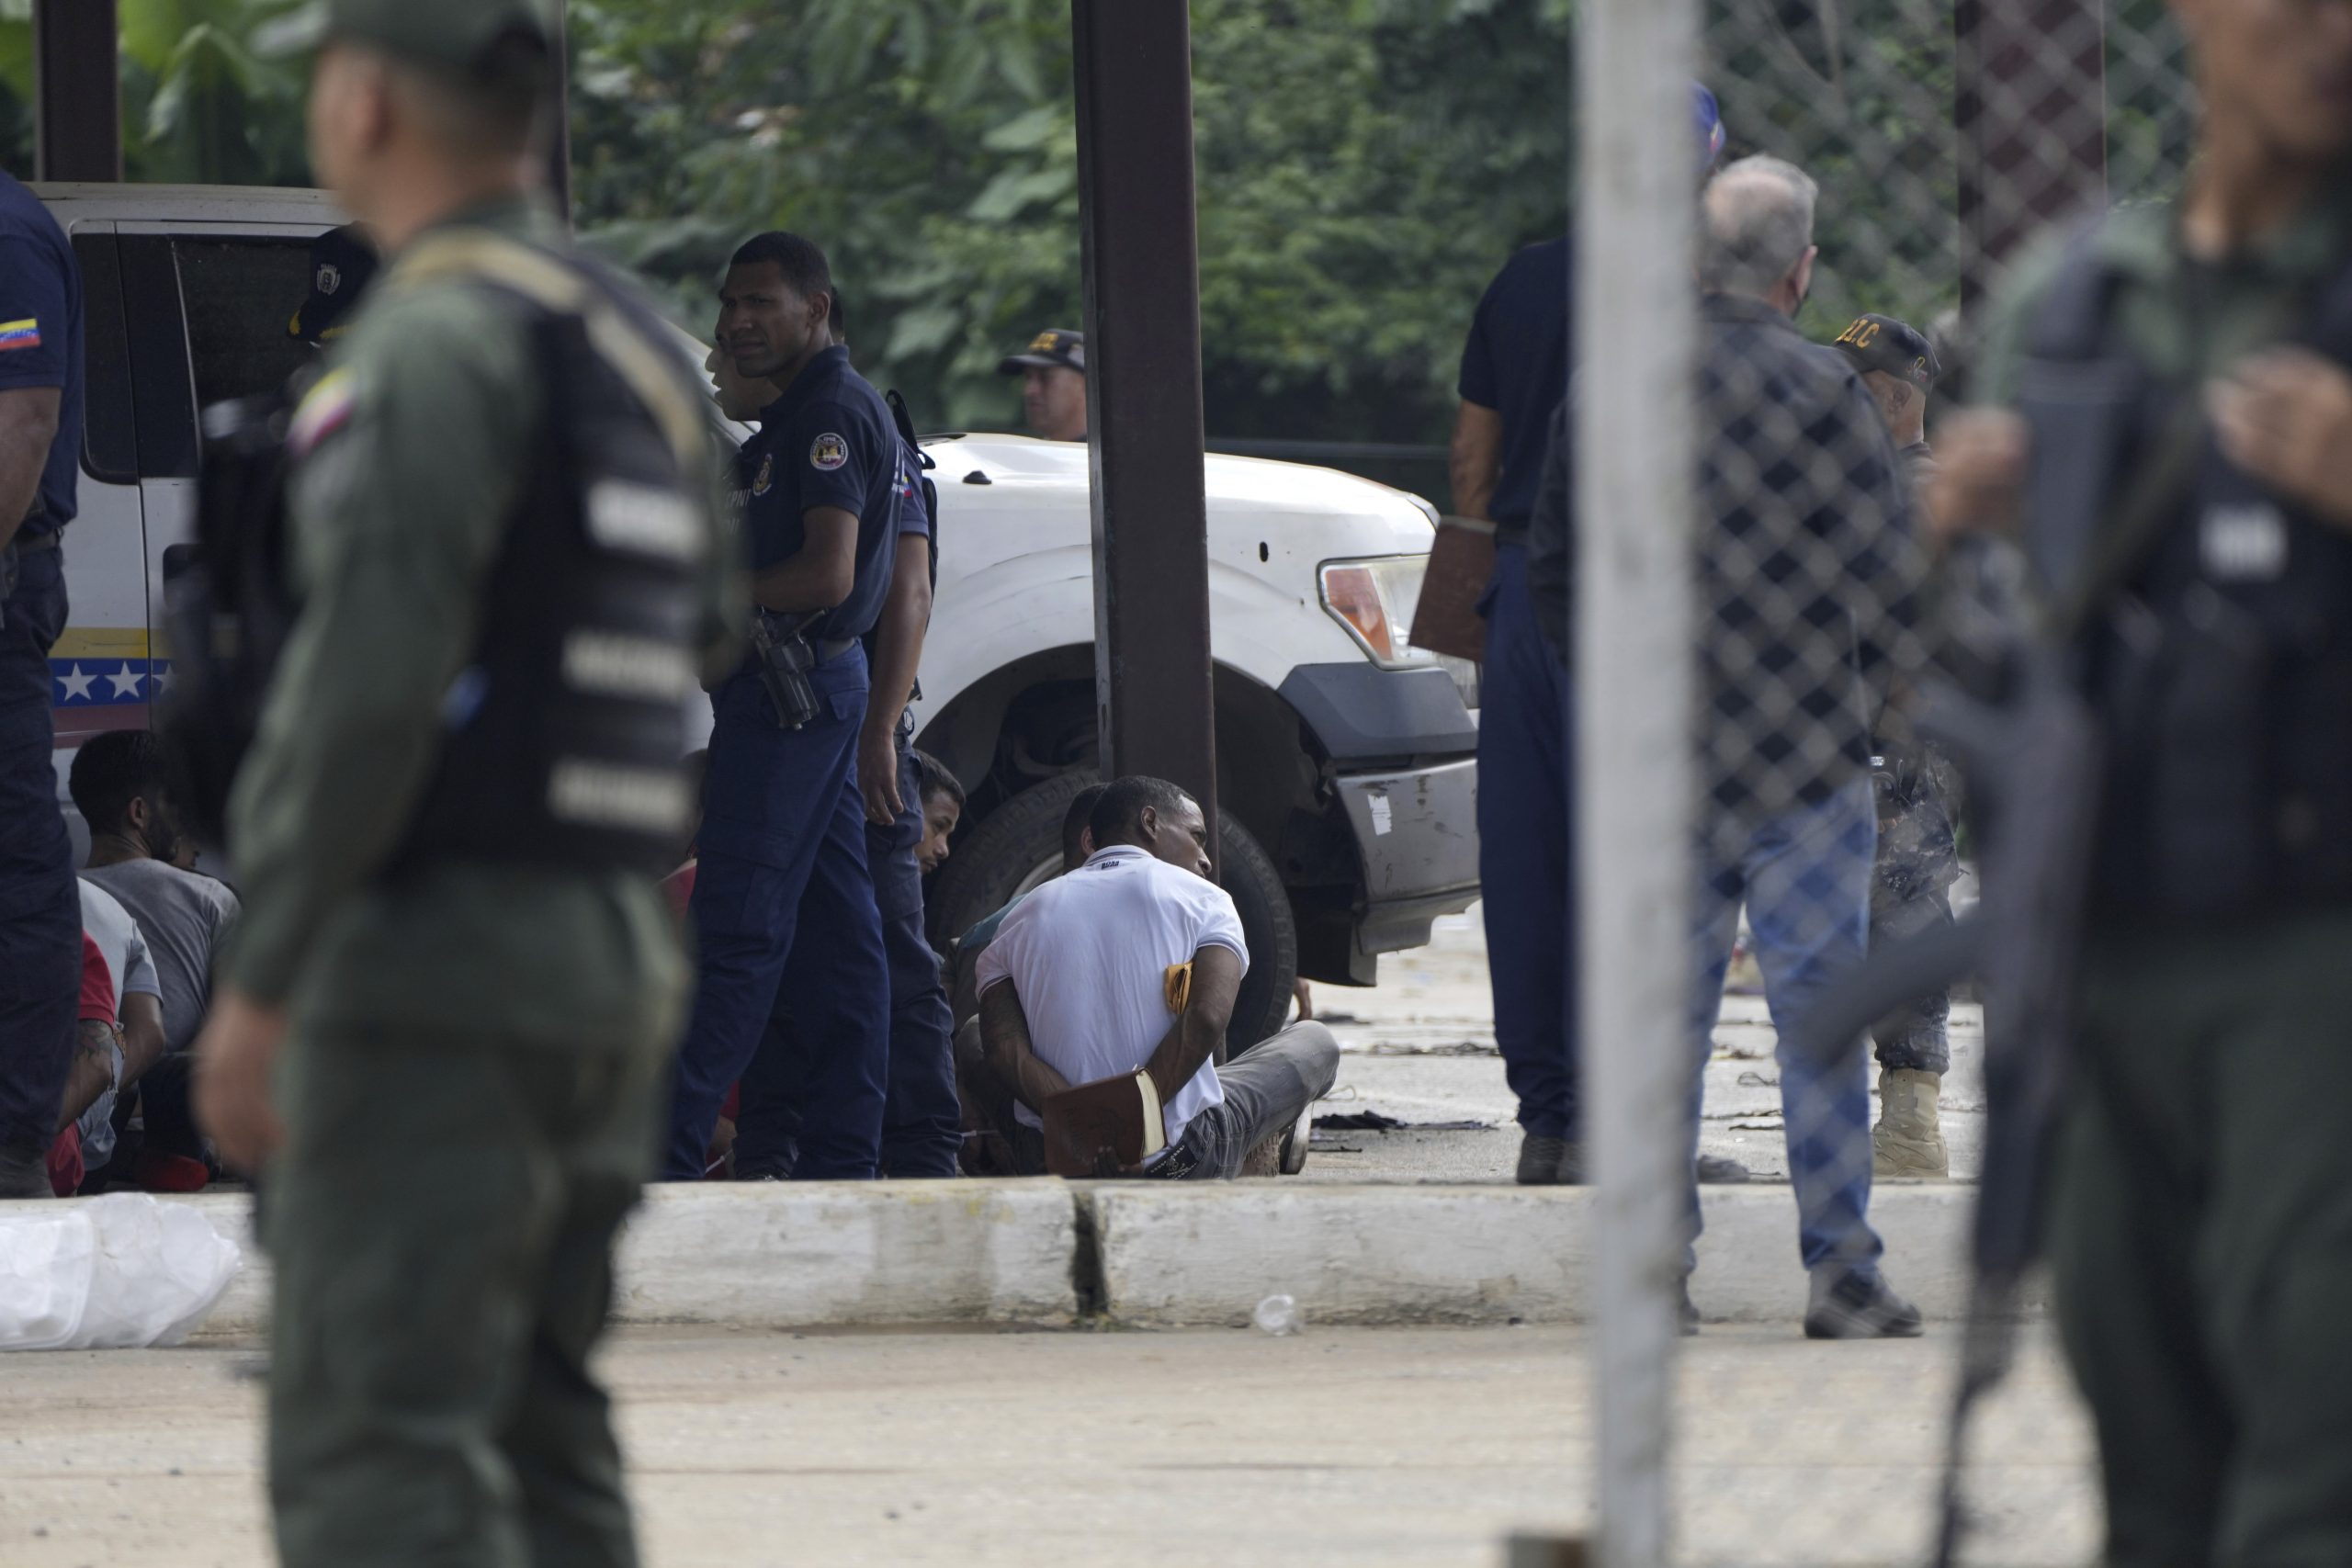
[[837, 450], [407, 460], [33, 328], [725, 597], [2014, 304]]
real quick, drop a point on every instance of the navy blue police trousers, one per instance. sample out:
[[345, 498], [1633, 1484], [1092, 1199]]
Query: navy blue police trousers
[[40, 907], [1526, 866], [785, 916], [922, 1119]]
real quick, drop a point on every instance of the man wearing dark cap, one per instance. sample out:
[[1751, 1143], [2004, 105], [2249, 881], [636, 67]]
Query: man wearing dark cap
[[456, 980], [343, 262], [1918, 853], [1053, 383], [1898, 364]]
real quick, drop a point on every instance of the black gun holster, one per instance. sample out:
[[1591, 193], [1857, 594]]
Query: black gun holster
[[785, 655]]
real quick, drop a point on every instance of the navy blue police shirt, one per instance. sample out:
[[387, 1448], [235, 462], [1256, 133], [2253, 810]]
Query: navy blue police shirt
[[1516, 362], [41, 336], [828, 441]]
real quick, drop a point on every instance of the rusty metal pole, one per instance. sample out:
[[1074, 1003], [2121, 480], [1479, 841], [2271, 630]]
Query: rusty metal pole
[[77, 91], [1133, 61], [2030, 107]]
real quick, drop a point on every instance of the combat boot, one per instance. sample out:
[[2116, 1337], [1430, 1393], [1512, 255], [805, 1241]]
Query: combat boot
[[1907, 1141]]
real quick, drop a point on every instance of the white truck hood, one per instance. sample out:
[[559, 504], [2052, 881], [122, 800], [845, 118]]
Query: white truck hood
[[1016, 561]]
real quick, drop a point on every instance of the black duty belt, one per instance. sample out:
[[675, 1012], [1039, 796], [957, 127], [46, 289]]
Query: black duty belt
[[827, 651], [33, 544]]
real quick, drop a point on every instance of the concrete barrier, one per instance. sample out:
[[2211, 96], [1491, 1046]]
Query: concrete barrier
[[795, 1254], [1175, 1255], [1166, 1255]]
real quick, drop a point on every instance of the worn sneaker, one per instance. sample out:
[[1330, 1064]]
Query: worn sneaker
[[1907, 1140], [1714, 1171], [1550, 1162], [1293, 1159], [1858, 1307]]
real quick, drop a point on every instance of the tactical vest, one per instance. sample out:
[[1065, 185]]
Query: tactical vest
[[2218, 653], [563, 736]]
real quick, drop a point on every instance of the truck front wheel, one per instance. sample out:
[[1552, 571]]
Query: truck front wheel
[[1019, 845]]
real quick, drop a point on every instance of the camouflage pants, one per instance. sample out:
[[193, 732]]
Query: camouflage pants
[[1910, 892]]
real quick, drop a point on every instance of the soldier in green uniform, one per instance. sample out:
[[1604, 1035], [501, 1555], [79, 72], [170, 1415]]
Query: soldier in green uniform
[[448, 828], [2178, 451]]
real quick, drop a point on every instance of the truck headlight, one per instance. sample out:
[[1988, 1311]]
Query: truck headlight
[[1375, 601]]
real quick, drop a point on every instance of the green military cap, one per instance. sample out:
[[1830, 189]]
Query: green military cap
[[453, 33]]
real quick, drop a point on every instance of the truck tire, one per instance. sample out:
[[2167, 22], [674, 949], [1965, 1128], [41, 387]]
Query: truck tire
[[1020, 845]]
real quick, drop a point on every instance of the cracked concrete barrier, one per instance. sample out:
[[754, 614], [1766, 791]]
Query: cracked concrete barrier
[[798, 1255], [1172, 1254]]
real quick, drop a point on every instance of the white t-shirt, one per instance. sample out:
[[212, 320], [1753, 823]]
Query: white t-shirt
[[1089, 955]]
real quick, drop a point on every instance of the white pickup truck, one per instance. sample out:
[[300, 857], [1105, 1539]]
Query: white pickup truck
[[1345, 778]]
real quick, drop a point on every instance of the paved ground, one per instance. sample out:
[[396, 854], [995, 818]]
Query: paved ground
[[1421, 1048], [1403, 1447]]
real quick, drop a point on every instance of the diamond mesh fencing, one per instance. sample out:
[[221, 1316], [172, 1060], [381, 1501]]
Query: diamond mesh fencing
[[1754, 464]]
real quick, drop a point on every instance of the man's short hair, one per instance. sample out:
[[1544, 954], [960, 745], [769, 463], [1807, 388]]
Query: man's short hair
[[1755, 224], [1078, 820], [1119, 814], [802, 262], [936, 780], [493, 107], [112, 770]]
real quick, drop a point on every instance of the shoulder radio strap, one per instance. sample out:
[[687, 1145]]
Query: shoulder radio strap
[[473, 253]]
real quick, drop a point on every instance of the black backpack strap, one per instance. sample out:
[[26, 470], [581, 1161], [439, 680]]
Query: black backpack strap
[[905, 424]]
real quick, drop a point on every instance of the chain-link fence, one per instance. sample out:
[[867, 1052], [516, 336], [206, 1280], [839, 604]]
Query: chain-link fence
[[1749, 551]]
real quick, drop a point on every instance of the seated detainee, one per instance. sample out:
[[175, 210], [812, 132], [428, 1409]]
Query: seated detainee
[[992, 1138], [1129, 966]]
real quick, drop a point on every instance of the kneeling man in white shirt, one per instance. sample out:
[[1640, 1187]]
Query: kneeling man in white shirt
[[1130, 964]]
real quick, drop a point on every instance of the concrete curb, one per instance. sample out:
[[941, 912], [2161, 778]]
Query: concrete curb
[[793, 1255], [1150, 1254], [1180, 1257]]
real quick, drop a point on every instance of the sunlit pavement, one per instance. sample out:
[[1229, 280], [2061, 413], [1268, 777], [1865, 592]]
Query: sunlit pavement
[[1334, 1447]]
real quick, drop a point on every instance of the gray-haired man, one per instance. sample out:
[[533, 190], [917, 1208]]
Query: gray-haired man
[[1806, 577]]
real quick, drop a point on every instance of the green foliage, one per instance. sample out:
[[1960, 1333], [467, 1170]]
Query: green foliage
[[203, 98], [1363, 166]]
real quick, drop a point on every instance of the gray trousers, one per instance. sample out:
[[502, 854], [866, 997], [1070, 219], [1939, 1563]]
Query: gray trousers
[[1265, 1088]]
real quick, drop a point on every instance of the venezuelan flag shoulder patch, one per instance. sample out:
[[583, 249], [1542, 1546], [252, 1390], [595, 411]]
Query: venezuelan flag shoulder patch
[[19, 334], [324, 411]]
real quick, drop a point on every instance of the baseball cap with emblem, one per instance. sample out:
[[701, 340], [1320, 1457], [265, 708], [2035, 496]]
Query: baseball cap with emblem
[[1900, 350], [341, 263], [453, 34], [1054, 345]]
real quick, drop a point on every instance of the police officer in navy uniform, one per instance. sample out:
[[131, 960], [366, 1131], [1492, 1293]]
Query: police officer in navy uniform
[[1514, 374], [784, 902], [41, 912], [922, 1115]]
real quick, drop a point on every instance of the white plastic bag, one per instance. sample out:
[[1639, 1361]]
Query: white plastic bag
[[108, 1273]]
